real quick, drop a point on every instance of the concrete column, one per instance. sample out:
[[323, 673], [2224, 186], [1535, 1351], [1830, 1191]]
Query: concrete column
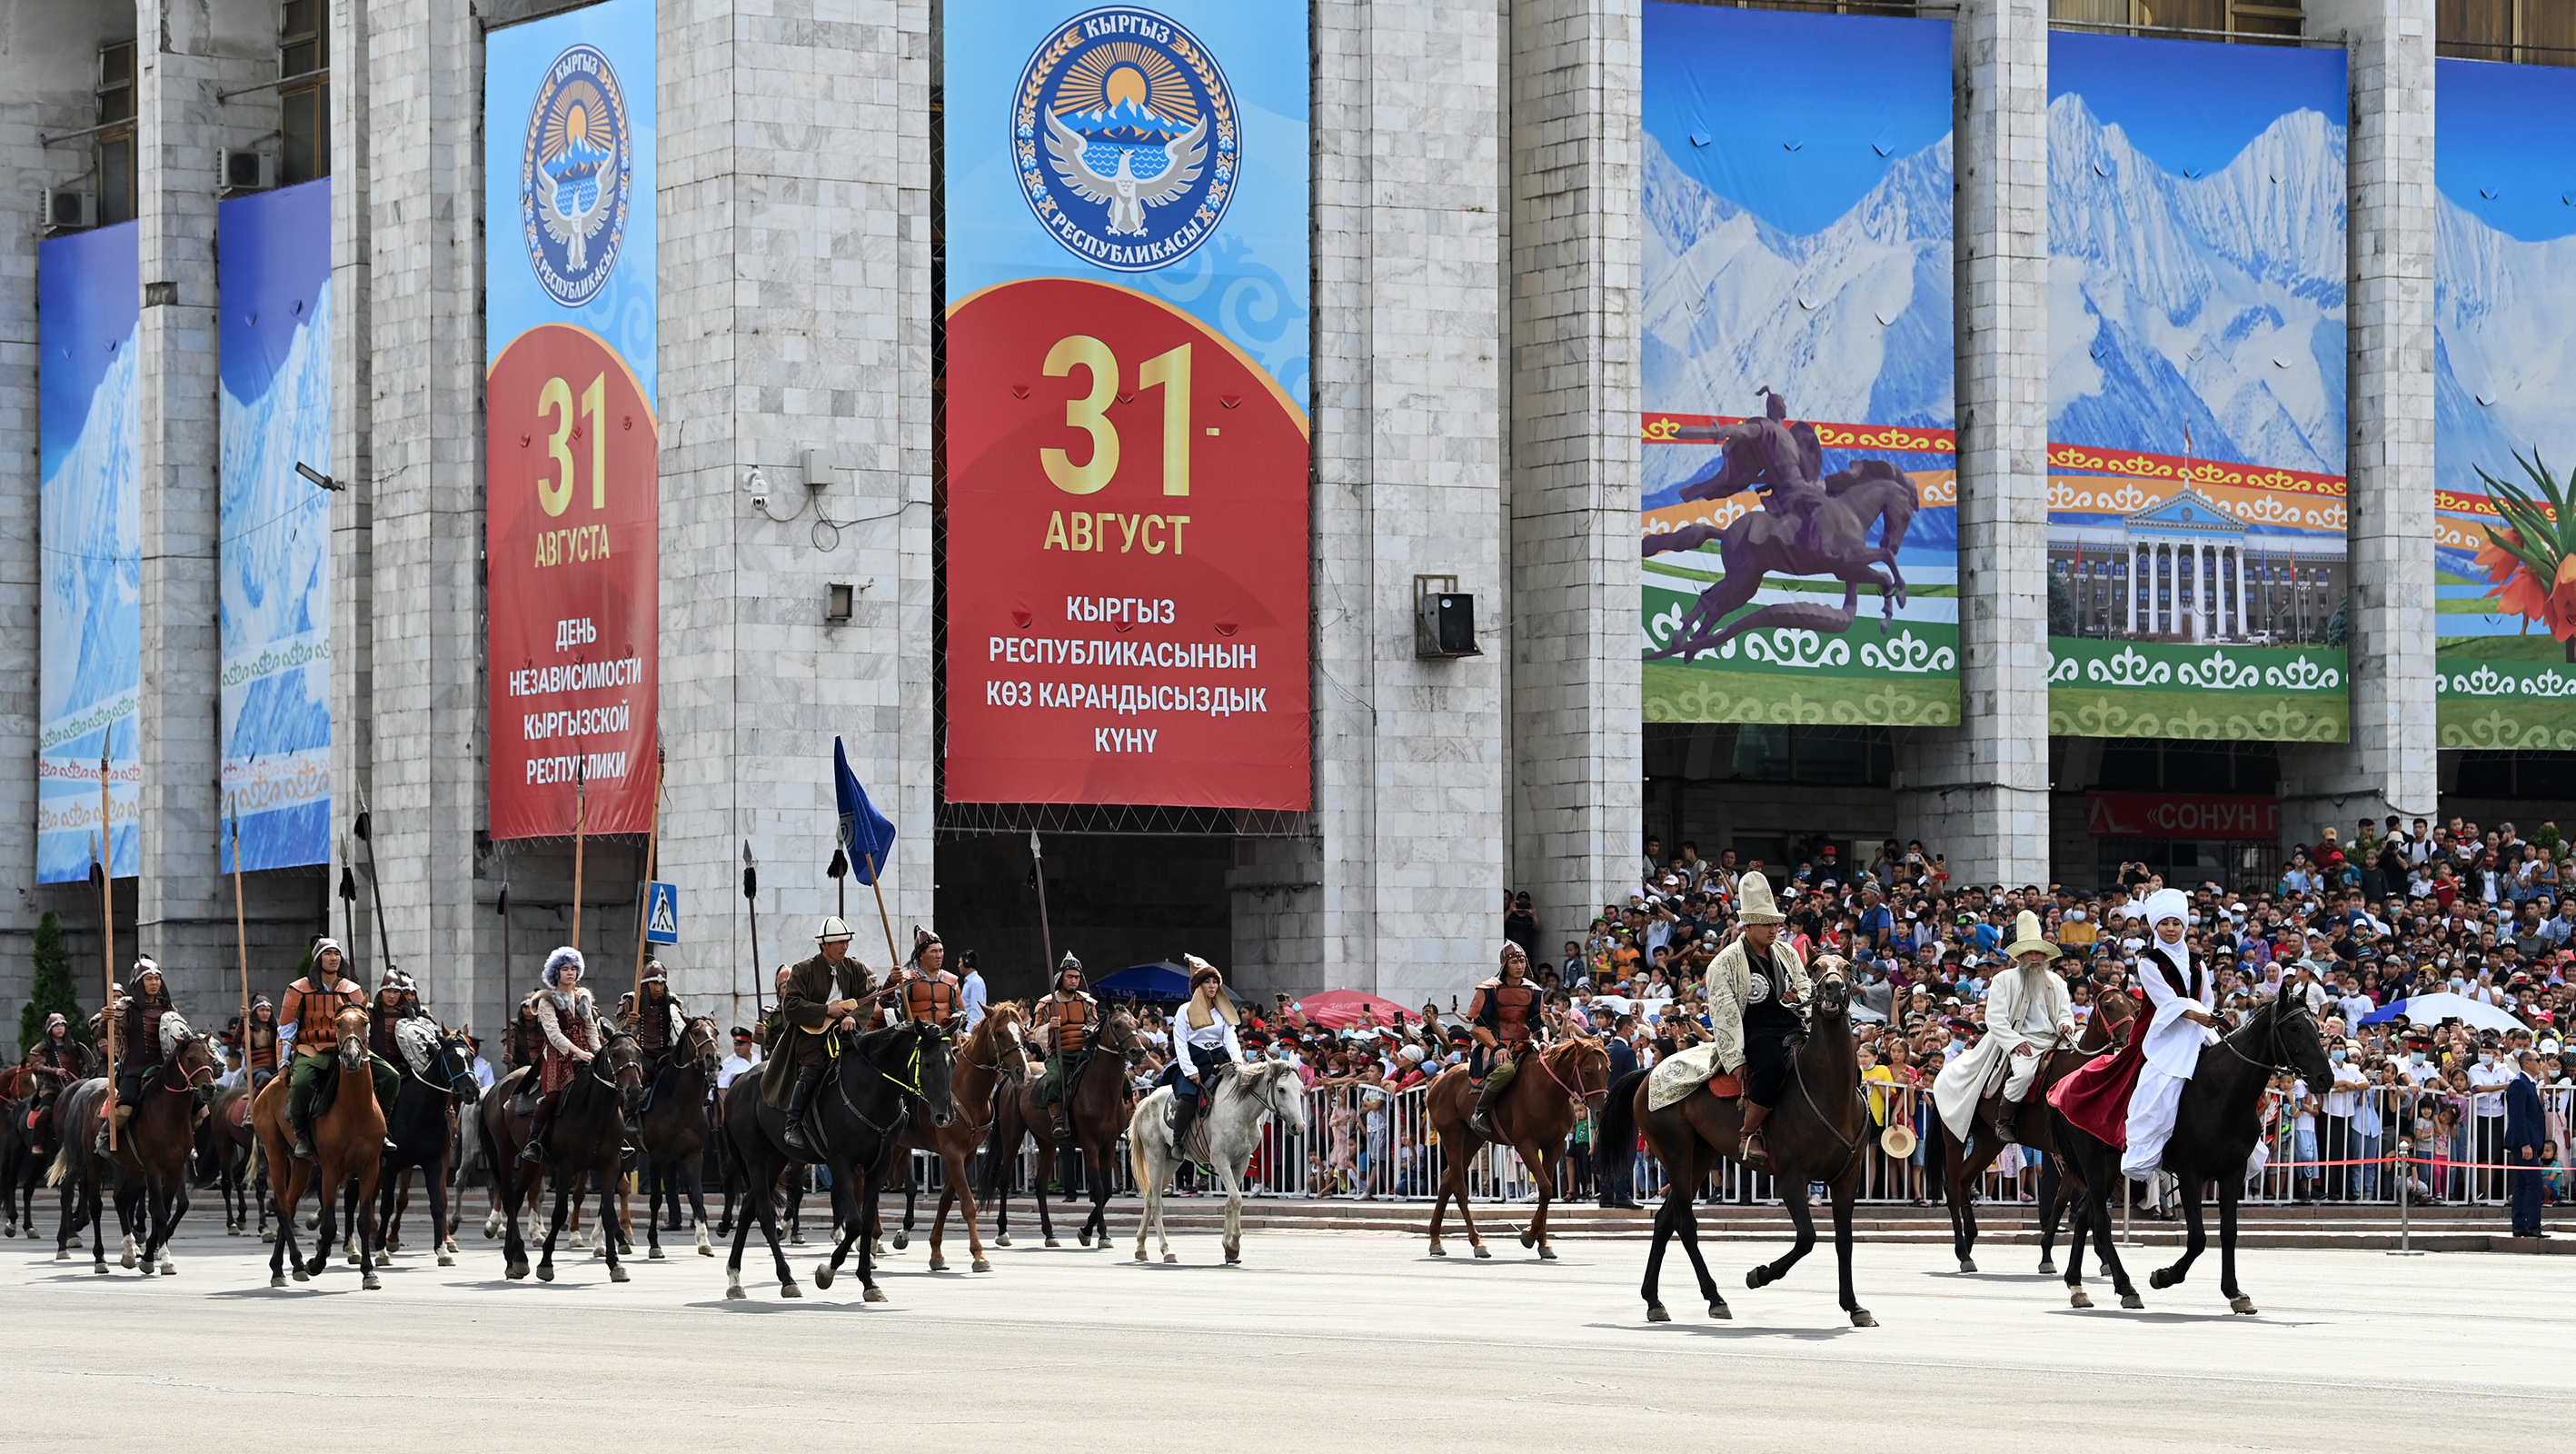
[[189, 52], [1981, 789], [353, 385], [1576, 734], [1408, 171], [2389, 766], [2130, 580], [424, 85]]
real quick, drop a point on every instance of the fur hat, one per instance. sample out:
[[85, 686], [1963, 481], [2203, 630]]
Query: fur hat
[[1068, 962], [1757, 905], [1202, 972], [559, 960], [56, 1019]]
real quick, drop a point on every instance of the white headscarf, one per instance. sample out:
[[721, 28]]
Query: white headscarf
[[2166, 904]]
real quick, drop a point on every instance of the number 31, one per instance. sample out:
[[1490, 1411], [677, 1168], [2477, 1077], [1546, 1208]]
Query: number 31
[[1090, 413], [556, 398]]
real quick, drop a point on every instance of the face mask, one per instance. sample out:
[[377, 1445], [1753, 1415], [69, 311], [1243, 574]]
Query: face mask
[[2485, 1059], [2416, 1056]]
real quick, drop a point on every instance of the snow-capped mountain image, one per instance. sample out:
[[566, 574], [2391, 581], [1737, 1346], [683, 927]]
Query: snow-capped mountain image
[[2504, 324], [1852, 323], [2213, 303]]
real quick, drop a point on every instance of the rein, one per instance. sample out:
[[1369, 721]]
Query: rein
[[1577, 1090], [2279, 1066]]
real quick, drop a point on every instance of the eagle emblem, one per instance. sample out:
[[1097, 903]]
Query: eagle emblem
[[576, 175], [1126, 138]]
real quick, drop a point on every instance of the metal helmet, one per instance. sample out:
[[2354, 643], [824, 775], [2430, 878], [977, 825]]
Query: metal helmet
[[834, 931]]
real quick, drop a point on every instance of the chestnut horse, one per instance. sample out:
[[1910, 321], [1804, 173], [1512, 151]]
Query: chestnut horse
[[989, 1059], [1533, 1117], [348, 1148], [1962, 1164], [1816, 1134], [1098, 1112]]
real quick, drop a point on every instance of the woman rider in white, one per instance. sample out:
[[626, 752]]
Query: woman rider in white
[[2183, 998], [1203, 1037]]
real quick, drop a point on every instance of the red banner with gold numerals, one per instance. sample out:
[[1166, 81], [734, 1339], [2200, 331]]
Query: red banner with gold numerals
[[1127, 557], [573, 553]]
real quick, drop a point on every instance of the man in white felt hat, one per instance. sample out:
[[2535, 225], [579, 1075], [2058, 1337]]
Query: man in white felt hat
[[1757, 1000], [2028, 1011]]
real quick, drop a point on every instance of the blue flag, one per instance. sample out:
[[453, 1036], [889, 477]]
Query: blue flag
[[865, 834]]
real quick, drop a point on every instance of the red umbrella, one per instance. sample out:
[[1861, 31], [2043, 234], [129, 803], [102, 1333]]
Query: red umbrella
[[1340, 1009]]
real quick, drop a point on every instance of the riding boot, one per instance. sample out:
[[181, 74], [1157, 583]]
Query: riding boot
[[2006, 1115], [1756, 1154], [1497, 1080], [809, 1078], [1185, 1114], [302, 1125], [533, 1151], [122, 1115]]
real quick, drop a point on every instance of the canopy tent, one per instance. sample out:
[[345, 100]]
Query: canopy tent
[[2434, 1009], [1340, 1009], [1161, 982]]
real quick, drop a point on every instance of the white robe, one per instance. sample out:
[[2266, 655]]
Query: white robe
[[2025, 1007], [2173, 1047]]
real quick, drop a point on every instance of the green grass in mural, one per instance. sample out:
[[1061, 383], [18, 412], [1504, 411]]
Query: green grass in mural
[[2209, 716], [2536, 646], [2477, 723], [2445, 578], [1699, 694], [1789, 583]]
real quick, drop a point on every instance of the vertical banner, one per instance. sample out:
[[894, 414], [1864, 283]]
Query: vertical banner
[[2196, 560], [2505, 406], [89, 441], [273, 279], [1127, 511], [572, 486], [1800, 493]]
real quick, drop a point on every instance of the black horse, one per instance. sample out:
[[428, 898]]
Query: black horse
[[27, 1147], [671, 1149], [584, 1139], [2220, 1120], [876, 1085], [419, 1126]]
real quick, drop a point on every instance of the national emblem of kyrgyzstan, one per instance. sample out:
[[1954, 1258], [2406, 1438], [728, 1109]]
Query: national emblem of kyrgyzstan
[[575, 176], [1126, 139]]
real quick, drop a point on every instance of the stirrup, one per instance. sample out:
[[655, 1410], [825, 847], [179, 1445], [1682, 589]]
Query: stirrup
[[1754, 1150]]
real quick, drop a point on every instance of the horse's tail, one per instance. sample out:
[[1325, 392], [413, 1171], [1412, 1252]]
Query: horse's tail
[[1619, 1116], [251, 1165], [62, 1167], [1136, 1158]]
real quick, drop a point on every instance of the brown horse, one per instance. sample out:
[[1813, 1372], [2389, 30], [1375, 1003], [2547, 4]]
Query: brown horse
[[152, 1151], [1963, 1163], [672, 1139], [237, 1174], [990, 1058], [1534, 1116], [348, 1148], [1097, 1109], [1816, 1135]]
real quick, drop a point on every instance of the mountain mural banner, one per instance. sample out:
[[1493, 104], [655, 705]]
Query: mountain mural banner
[[2505, 406], [2196, 516], [89, 295], [1799, 517], [273, 277]]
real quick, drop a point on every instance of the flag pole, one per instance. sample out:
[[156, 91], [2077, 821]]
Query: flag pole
[[892, 959], [580, 823], [241, 935], [652, 846], [107, 928]]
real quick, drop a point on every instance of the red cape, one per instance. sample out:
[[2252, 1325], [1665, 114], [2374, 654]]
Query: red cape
[[2095, 1095]]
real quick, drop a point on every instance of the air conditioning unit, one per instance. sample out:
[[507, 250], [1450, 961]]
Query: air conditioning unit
[[248, 171], [67, 210]]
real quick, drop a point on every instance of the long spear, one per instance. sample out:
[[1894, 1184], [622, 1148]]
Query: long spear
[[348, 907], [241, 934], [376, 885], [580, 825], [652, 846], [751, 915], [107, 927], [1046, 935]]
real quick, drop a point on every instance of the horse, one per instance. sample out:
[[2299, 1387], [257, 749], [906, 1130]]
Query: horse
[[28, 1144], [150, 1154], [438, 1073], [1239, 1102], [2215, 1130], [237, 1168], [674, 1134], [1095, 1110], [348, 1148], [990, 1058], [1871, 493], [856, 1123], [1533, 1117], [586, 1137], [1963, 1162], [1816, 1135]]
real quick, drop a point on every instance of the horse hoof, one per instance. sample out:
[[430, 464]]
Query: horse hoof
[[127, 1260], [1140, 1255], [100, 1269], [1483, 1251], [228, 1231], [2161, 1278], [1051, 1242], [618, 1273], [61, 1256], [1861, 1318], [2132, 1301], [654, 1256], [1001, 1239], [938, 1264], [902, 1240], [2078, 1297], [1084, 1238], [277, 1279], [546, 1273], [1656, 1314], [876, 1295], [789, 1289], [446, 1261], [268, 1237], [516, 1272], [1439, 1251], [371, 1283], [1754, 1278], [706, 1251], [823, 1277], [303, 1276], [795, 1239], [983, 1265], [2048, 1269], [1721, 1312], [2241, 1304], [1967, 1264], [736, 1292], [1528, 1240], [1546, 1253], [168, 1270]]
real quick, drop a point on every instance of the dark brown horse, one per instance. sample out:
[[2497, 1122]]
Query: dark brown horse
[[28, 1144], [238, 1173], [152, 1151], [1097, 1110], [1815, 1135], [989, 1059], [348, 1148], [1533, 1117], [672, 1143], [1962, 1163], [584, 1139]]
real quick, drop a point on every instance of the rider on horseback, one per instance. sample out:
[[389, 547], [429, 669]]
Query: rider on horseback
[[396, 1001], [58, 1060], [930, 994], [1506, 1020], [1754, 1011], [2028, 1012], [258, 1042], [2184, 997], [1203, 1039], [1064, 1021], [810, 1021], [570, 1019], [311, 1025], [1770, 455], [138, 1042]]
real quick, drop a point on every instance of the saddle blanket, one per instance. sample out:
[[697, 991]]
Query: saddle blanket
[[1676, 1076]]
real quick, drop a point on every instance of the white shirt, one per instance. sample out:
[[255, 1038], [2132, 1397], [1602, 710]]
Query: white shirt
[[734, 1065], [482, 1073], [970, 996], [1216, 1035], [2484, 1076], [2343, 1100]]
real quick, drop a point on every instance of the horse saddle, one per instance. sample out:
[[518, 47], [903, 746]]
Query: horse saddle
[[523, 1104], [239, 1115], [326, 1089], [1680, 1075]]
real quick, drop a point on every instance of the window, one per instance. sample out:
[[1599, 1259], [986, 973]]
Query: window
[[2238, 17], [1819, 7], [116, 199], [2533, 32], [304, 91]]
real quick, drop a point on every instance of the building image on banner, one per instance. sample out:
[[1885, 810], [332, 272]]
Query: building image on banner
[[573, 467], [2196, 390], [90, 664], [2505, 402], [273, 271], [1800, 522], [1127, 433]]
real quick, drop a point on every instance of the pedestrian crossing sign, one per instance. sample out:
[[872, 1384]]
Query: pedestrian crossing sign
[[662, 913]]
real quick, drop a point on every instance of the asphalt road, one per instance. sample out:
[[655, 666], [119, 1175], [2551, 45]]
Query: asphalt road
[[1341, 1340]]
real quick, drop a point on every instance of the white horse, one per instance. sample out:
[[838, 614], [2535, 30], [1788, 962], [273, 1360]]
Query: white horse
[[1233, 1120]]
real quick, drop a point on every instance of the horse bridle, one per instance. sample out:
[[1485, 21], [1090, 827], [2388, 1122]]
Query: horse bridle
[[2272, 1041], [1577, 1090], [465, 1067]]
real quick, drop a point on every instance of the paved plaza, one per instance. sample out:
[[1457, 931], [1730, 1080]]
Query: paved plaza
[[1320, 1339]]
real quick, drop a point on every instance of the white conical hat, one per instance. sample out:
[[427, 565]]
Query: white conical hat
[[1754, 901], [834, 931], [2027, 938]]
